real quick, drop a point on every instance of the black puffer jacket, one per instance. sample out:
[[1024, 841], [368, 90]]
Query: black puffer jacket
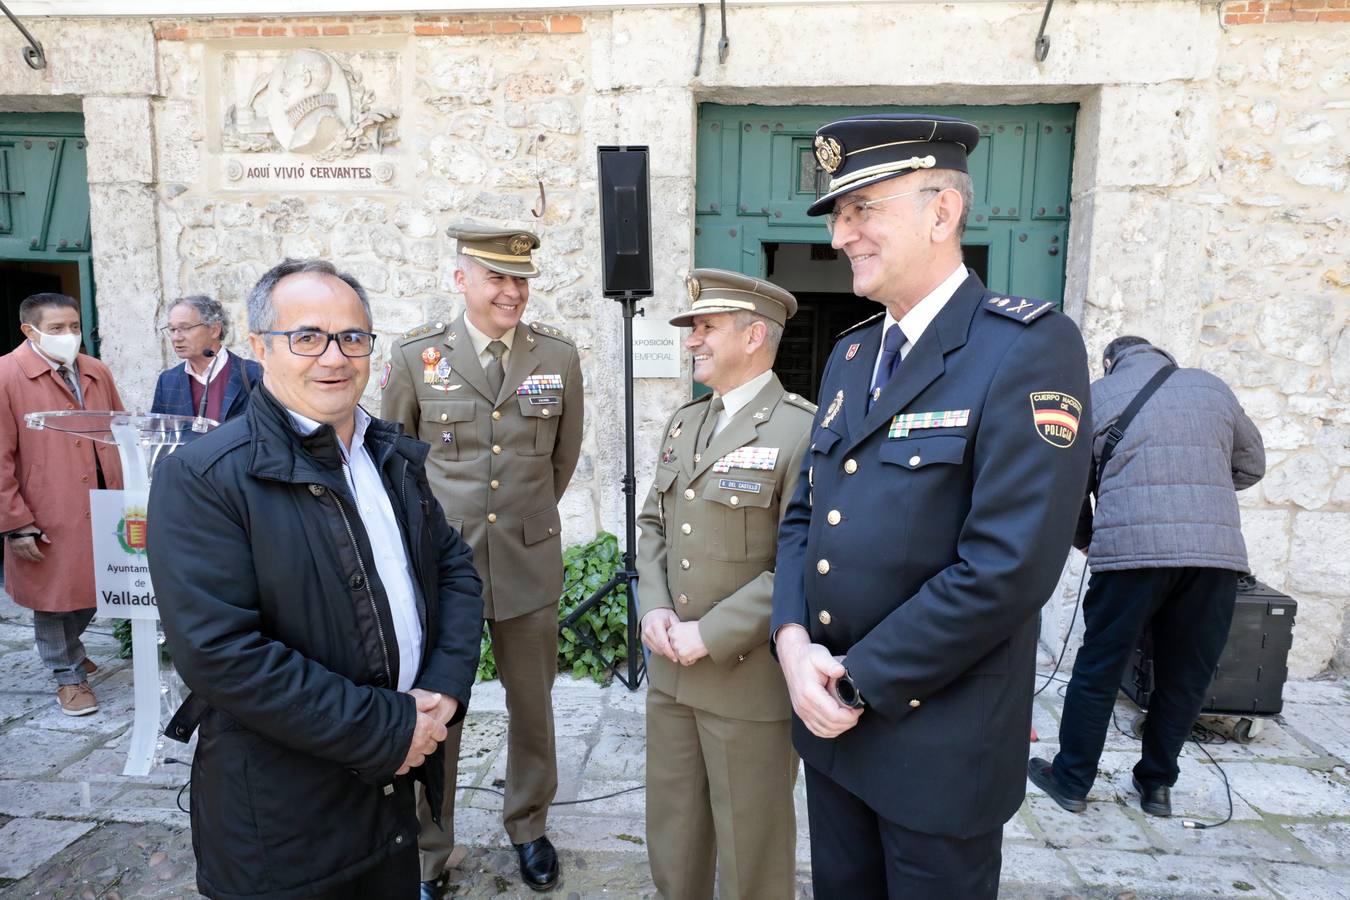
[[275, 617]]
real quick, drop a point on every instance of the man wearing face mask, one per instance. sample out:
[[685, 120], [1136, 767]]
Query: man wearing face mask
[[45, 479]]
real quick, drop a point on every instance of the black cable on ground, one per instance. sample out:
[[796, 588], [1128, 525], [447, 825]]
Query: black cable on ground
[[1077, 600], [499, 793]]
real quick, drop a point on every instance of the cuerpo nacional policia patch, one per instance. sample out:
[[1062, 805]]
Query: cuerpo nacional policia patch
[[1056, 416]]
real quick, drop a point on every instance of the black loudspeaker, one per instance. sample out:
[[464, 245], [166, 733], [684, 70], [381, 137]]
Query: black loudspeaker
[[625, 222]]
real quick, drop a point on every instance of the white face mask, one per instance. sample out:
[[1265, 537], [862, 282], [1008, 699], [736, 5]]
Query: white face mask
[[61, 347]]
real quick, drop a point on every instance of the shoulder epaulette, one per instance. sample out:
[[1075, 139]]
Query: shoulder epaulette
[[800, 402], [867, 321], [1019, 309], [701, 398], [421, 331], [541, 328]]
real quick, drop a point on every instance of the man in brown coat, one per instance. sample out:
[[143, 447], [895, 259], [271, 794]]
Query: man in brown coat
[[500, 402], [720, 763], [45, 479]]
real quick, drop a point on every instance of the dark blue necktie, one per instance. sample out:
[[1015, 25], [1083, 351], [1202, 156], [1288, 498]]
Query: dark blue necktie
[[890, 361]]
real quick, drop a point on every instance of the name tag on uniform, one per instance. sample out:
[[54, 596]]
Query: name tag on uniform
[[544, 401], [904, 423], [761, 458], [537, 384], [730, 484]]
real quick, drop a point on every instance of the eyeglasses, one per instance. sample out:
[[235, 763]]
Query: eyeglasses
[[174, 331], [308, 342], [856, 212]]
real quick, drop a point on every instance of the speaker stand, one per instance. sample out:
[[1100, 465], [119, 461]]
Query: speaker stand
[[637, 666]]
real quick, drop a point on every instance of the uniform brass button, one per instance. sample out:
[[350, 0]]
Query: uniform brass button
[[740, 657], [545, 412], [686, 528], [689, 493], [496, 414], [914, 460], [697, 456], [914, 704], [735, 501], [550, 530], [440, 325], [684, 564], [824, 617], [850, 466], [494, 484], [823, 567], [444, 417], [492, 517], [496, 448], [683, 598], [833, 517]]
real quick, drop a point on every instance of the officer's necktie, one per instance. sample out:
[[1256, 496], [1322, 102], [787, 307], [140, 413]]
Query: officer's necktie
[[69, 378], [496, 373], [890, 361], [705, 432]]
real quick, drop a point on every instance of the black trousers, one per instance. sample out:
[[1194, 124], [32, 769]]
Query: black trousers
[[1190, 610], [394, 879], [858, 855]]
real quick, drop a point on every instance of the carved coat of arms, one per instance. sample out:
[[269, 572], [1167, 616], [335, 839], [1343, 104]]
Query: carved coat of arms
[[310, 102]]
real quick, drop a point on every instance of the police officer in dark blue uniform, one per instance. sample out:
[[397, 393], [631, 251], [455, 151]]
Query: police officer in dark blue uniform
[[932, 520]]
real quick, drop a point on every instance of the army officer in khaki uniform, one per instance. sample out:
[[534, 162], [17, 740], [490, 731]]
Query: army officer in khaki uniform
[[500, 402], [720, 763]]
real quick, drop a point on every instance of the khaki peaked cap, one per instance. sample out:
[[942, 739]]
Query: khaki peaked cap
[[719, 291], [503, 250]]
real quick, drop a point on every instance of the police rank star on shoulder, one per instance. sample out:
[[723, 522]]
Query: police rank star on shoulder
[[931, 521], [720, 764], [500, 403]]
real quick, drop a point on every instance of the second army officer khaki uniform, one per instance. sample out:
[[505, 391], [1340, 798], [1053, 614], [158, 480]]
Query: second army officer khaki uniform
[[720, 765], [499, 465]]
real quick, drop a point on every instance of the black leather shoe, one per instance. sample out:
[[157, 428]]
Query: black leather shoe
[[1042, 774], [538, 863], [431, 890], [1156, 801]]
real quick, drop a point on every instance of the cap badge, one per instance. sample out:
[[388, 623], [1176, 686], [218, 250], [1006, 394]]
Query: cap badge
[[829, 153], [519, 245], [693, 287]]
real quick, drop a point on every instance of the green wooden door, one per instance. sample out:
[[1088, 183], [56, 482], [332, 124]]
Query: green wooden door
[[44, 202], [757, 175]]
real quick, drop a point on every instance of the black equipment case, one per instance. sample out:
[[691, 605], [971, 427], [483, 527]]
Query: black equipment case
[[1255, 662]]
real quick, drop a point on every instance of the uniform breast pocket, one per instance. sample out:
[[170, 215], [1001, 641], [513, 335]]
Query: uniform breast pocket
[[742, 524], [921, 453], [450, 428], [543, 410]]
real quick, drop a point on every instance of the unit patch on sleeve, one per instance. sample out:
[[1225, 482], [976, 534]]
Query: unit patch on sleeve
[[763, 458], [537, 384], [1056, 416], [904, 423]]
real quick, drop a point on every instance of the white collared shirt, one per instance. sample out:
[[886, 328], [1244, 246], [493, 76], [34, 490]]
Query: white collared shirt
[[214, 367], [915, 322], [480, 343], [734, 400], [386, 544]]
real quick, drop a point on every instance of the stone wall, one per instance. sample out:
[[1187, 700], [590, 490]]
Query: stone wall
[[1209, 191]]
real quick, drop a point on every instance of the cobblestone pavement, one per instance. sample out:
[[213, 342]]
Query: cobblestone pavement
[[71, 826]]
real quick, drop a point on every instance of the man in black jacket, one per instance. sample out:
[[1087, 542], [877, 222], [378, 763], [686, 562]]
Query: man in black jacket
[[323, 613]]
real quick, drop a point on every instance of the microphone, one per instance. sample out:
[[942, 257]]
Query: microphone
[[208, 353]]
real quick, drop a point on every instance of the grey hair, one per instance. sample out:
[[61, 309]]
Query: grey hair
[[211, 312], [262, 314], [773, 332], [962, 184]]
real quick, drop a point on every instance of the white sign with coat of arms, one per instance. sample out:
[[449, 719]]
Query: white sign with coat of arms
[[121, 567]]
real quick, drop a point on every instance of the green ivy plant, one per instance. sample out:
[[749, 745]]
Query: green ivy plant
[[585, 568]]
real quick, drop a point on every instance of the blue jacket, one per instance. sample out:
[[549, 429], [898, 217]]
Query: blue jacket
[[173, 390], [1168, 495], [921, 550]]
